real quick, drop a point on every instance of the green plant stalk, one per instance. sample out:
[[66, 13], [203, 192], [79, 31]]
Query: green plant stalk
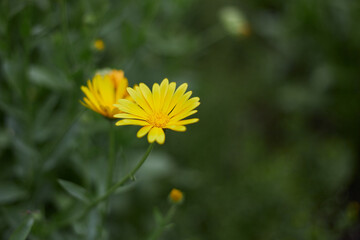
[[160, 229], [123, 180], [119, 183], [111, 160], [108, 192]]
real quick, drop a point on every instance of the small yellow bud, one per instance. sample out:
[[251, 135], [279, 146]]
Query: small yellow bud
[[99, 45], [176, 196]]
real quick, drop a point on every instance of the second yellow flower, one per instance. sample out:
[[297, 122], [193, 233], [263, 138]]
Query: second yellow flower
[[103, 92]]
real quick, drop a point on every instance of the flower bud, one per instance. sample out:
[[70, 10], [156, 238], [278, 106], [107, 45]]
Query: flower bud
[[99, 45], [176, 196]]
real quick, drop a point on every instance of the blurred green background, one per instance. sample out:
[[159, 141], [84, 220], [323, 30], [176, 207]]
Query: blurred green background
[[274, 156]]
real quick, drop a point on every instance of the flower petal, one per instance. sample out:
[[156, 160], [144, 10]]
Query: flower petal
[[183, 115], [131, 122], [168, 97], [128, 106], [139, 99], [105, 88], [143, 131], [156, 96], [175, 98], [164, 86], [187, 107], [122, 84], [184, 122], [152, 135], [179, 105], [160, 139], [177, 128], [129, 116], [145, 91], [90, 96]]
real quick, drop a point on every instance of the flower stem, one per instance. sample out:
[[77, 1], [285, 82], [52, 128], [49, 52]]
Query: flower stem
[[114, 187], [109, 180], [111, 155], [108, 192]]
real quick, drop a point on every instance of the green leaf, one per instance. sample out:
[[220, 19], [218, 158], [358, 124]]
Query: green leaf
[[169, 226], [10, 192], [75, 190], [46, 77], [24, 229], [158, 216]]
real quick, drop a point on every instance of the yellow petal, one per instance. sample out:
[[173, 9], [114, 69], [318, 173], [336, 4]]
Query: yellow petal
[[179, 105], [156, 96], [128, 106], [105, 88], [127, 115], [90, 97], [152, 135], [183, 115], [168, 97], [108, 91], [177, 128], [87, 104], [145, 91], [139, 99], [187, 107], [91, 87], [131, 122], [184, 122], [164, 86], [160, 138], [177, 95], [122, 84], [143, 131]]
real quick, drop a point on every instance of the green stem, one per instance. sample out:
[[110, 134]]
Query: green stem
[[111, 155], [108, 192], [119, 183], [111, 162], [160, 229], [131, 174]]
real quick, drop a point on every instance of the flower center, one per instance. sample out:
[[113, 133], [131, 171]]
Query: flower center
[[158, 120]]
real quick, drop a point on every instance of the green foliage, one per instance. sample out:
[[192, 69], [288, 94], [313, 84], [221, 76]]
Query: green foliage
[[75, 190], [24, 229], [272, 157]]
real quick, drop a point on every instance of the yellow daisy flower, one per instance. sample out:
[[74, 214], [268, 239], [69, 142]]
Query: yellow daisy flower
[[155, 110], [103, 92]]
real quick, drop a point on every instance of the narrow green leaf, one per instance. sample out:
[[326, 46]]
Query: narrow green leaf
[[158, 216], [46, 77], [169, 226], [24, 229], [9, 192], [75, 190]]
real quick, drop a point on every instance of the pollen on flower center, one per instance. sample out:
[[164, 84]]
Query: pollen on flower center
[[158, 120]]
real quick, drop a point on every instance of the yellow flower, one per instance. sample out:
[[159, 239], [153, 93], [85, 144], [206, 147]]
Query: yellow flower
[[99, 44], [103, 92], [155, 110], [176, 196]]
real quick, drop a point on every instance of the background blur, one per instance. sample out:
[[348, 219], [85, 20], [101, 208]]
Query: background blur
[[274, 156]]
